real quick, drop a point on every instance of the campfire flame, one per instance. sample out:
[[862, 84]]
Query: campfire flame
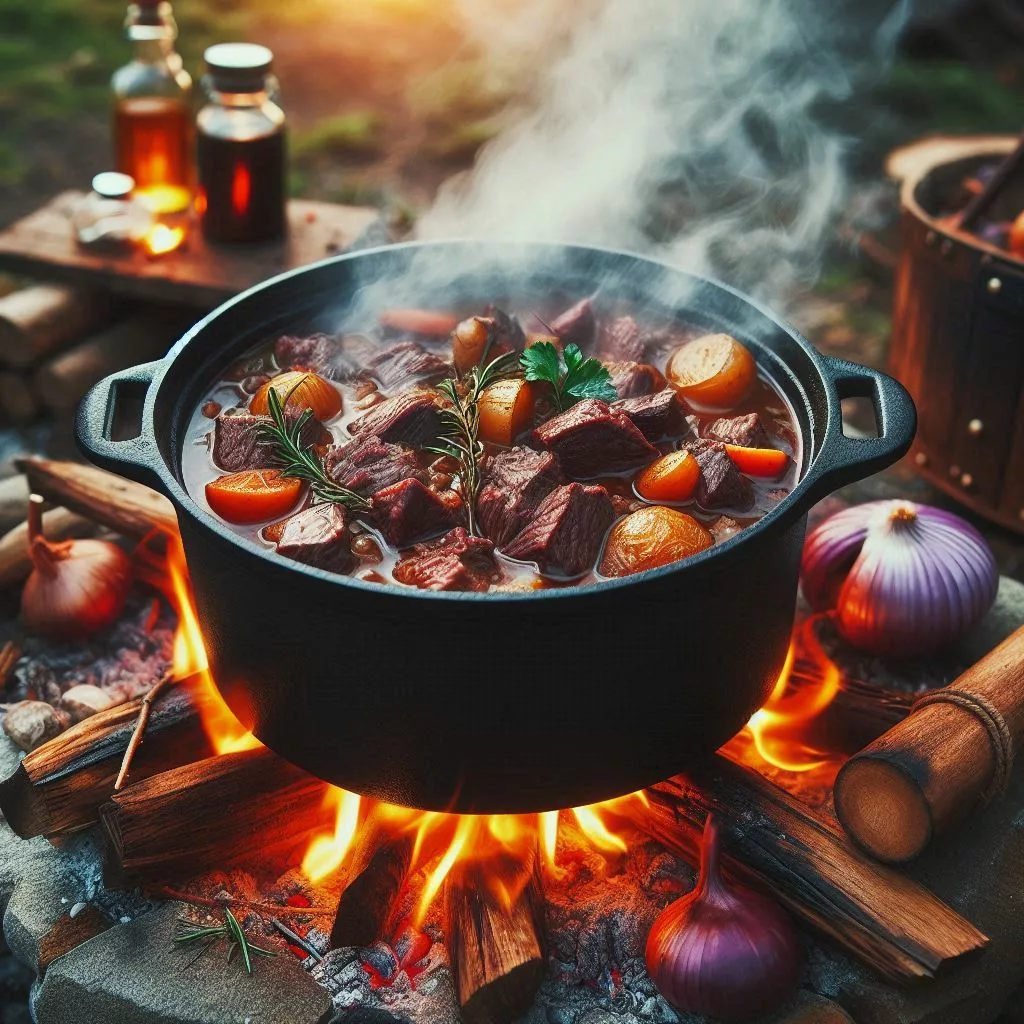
[[443, 841]]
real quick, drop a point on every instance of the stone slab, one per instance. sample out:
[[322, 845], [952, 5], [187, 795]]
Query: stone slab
[[134, 974]]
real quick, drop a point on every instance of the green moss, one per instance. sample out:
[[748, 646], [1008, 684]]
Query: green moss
[[357, 132], [951, 97]]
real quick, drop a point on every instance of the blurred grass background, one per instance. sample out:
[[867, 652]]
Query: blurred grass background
[[386, 98]]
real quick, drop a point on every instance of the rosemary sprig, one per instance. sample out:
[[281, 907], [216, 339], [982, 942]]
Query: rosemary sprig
[[231, 930], [460, 426], [298, 460]]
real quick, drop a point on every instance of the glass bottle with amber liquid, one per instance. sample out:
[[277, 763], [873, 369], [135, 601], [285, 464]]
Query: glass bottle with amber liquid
[[240, 147], [153, 110]]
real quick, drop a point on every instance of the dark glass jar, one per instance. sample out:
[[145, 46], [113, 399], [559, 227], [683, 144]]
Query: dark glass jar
[[240, 147]]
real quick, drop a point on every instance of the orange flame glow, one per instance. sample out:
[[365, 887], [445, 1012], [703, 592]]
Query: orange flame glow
[[775, 732], [161, 239], [225, 733]]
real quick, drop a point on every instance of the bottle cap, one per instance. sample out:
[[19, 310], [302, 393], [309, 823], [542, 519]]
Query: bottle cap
[[113, 185], [238, 67]]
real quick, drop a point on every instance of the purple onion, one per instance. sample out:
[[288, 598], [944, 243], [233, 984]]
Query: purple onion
[[905, 579], [721, 950]]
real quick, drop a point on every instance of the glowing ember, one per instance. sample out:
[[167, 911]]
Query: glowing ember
[[161, 239], [442, 841]]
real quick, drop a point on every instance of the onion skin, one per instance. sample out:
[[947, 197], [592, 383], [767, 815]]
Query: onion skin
[[721, 950], [905, 580], [76, 587]]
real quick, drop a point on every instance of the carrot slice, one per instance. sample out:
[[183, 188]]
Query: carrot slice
[[714, 371], [506, 410], [427, 322], [673, 477], [768, 462], [253, 495]]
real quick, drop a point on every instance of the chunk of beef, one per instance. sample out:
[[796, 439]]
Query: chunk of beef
[[620, 341], [591, 438], [404, 364], [576, 326], [320, 353], [456, 561], [565, 534], [408, 511], [631, 380], [747, 431], [367, 464], [721, 485], [412, 417], [317, 536], [237, 445], [515, 482], [655, 416]]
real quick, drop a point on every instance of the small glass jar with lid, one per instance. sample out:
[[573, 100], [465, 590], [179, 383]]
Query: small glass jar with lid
[[153, 110], [240, 147], [110, 216]]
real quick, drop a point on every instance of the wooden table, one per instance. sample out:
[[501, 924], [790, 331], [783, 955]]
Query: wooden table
[[42, 245]]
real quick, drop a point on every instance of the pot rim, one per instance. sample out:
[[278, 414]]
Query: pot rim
[[894, 413]]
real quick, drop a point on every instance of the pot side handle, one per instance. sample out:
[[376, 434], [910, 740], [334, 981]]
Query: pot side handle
[[136, 458], [843, 459]]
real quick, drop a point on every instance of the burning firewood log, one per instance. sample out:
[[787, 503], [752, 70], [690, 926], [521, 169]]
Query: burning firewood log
[[209, 814], [494, 914], [774, 843], [952, 754], [59, 787], [123, 505], [380, 867]]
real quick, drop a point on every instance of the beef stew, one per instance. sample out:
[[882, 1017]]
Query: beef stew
[[491, 452]]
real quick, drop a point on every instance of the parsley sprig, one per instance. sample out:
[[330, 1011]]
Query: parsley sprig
[[460, 426], [298, 460], [570, 375]]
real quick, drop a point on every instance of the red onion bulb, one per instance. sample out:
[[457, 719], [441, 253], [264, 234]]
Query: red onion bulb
[[905, 579], [723, 951]]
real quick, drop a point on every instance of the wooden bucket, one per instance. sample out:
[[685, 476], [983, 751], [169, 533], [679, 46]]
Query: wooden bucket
[[958, 334]]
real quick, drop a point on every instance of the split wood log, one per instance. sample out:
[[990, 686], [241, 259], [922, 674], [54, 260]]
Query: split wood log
[[58, 524], [496, 943], [61, 382], [380, 867], [38, 321], [953, 754], [60, 786], [773, 843], [209, 814], [18, 400], [127, 507]]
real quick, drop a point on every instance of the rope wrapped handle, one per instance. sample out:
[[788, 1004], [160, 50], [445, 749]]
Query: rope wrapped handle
[[1003, 747]]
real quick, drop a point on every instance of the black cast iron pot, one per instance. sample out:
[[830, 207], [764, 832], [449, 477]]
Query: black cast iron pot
[[508, 702]]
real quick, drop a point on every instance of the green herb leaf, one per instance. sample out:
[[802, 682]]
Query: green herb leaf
[[590, 379], [541, 362], [570, 375]]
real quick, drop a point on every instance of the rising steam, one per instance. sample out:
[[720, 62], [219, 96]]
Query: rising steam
[[700, 131]]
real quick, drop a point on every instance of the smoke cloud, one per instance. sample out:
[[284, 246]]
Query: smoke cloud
[[703, 132]]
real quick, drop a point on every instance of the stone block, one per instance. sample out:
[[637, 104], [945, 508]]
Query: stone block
[[135, 974]]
